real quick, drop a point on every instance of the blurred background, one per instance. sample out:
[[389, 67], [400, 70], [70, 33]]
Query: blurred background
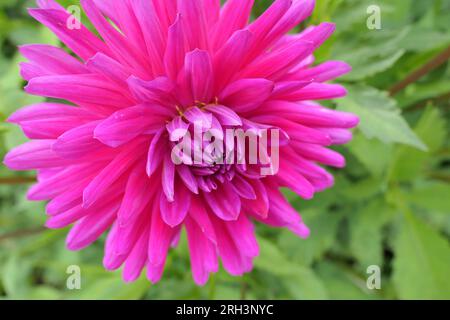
[[390, 207]]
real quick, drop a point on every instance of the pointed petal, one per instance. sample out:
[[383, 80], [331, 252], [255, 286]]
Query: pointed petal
[[199, 75]]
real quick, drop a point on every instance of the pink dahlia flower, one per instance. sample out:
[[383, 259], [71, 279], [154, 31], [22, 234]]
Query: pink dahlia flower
[[105, 161]]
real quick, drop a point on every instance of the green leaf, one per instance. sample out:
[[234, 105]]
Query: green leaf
[[373, 154], [112, 288], [432, 196], [44, 293], [342, 284], [370, 53], [422, 262], [366, 233], [15, 276], [409, 162], [300, 281], [365, 64], [323, 226], [422, 39], [379, 115]]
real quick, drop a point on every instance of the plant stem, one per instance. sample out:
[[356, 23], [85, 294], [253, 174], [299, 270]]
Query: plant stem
[[434, 63], [441, 99], [244, 288], [21, 233], [17, 180]]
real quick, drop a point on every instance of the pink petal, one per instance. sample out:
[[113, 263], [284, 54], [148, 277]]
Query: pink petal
[[317, 91], [244, 237], [49, 120], [90, 228], [52, 60], [108, 67], [201, 217], [265, 23], [90, 89], [224, 202], [111, 173], [199, 75], [225, 115], [158, 90], [155, 153], [78, 142], [327, 71], [233, 17], [319, 34], [202, 253], [34, 155], [247, 94], [277, 63], [230, 59], [177, 47], [153, 34], [187, 177], [174, 213], [195, 23], [80, 40], [129, 123], [137, 259], [319, 154], [243, 188], [136, 197], [124, 51], [161, 236], [168, 178]]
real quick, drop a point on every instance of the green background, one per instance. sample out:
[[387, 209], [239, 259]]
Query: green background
[[390, 206]]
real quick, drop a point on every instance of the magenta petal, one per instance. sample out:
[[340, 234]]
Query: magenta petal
[[81, 41], [107, 66], [243, 233], [34, 155], [224, 202], [89, 89], [230, 59], [177, 129], [199, 74], [195, 116], [136, 260], [153, 33], [177, 46], [243, 188], [187, 177], [52, 60], [234, 16], [90, 228], [108, 176], [225, 115], [156, 91], [155, 153], [136, 196], [127, 124], [247, 94], [319, 34], [173, 213], [161, 236], [78, 142], [264, 24], [49, 120], [168, 178], [202, 252], [195, 23]]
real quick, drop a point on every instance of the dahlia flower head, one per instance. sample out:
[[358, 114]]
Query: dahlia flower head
[[103, 147]]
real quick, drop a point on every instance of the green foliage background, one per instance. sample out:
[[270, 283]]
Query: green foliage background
[[390, 206]]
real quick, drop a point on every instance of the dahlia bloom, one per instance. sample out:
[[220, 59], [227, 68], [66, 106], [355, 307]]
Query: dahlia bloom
[[103, 148]]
